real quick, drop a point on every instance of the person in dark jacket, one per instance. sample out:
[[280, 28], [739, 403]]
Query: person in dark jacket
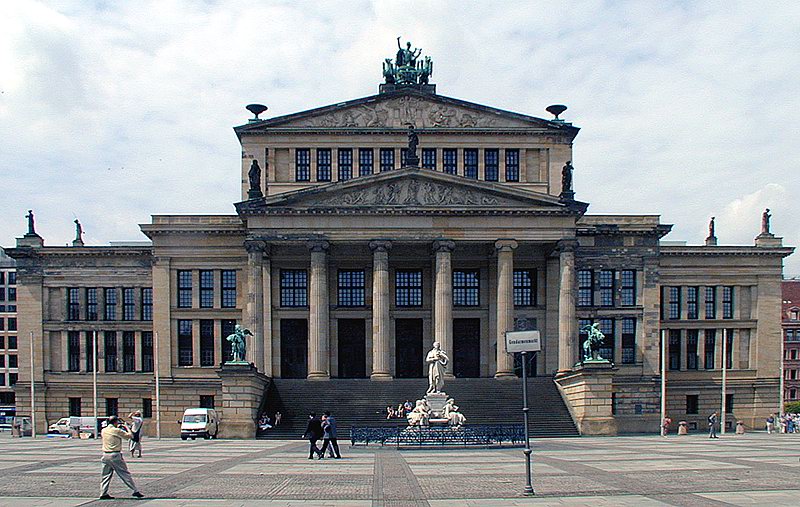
[[313, 433], [329, 436]]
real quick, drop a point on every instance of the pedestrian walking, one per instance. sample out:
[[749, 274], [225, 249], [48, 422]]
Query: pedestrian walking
[[665, 426], [712, 425], [112, 459], [313, 433], [770, 424], [136, 433], [329, 436]]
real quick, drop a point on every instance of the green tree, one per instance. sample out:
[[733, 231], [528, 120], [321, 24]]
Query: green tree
[[793, 407]]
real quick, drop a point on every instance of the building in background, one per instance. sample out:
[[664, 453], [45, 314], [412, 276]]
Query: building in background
[[9, 359], [790, 319], [358, 242]]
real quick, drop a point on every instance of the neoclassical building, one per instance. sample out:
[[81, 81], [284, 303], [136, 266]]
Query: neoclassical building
[[358, 242]]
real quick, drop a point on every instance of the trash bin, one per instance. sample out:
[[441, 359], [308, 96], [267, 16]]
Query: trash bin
[[739, 428], [683, 428]]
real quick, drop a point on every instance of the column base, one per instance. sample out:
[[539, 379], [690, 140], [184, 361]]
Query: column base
[[318, 375], [381, 377], [505, 375]]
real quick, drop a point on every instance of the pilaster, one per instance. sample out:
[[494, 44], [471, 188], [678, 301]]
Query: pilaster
[[380, 310], [443, 299], [505, 305], [318, 345]]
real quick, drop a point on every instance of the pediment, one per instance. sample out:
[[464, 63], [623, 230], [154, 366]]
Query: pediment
[[401, 108], [406, 189]]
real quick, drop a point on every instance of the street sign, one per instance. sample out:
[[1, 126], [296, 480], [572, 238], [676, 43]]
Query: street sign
[[523, 341]]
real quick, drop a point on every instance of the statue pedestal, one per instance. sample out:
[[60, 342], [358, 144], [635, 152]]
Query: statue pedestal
[[243, 388], [767, 239], [436, 401], [587, 390]]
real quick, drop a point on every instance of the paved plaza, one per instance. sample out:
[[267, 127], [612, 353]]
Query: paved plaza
[[754, 469]]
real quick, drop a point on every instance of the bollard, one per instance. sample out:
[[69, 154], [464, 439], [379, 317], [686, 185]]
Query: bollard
[[683, 428]]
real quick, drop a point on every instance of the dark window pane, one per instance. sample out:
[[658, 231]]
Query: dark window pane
[[73, 304], [466, 287], [471, 163], [147, 304], [185, 351], [450, 160], [408, 288], [674, 303], [429, 158], [345, 163], [491, 164], [691, 349], [691, 302], [324, 164], [606, 282], [207, 342], [628, 287], [727, 302], [302, 164], [147, 351], [111, 304], [294, 287], [91, 304], [229, 289], [674, 349], [73, 351], [128, 304], [110, 343], [128, 351], [711, 346], [206, 289], [711, 302], [184, 289], [585, 287], [387, 159], [524, 287], [365, 161], [512, 165], [351, 288]]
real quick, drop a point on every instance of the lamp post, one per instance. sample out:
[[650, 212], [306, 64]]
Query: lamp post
[[158, 389], [33, 394], [94, 379], [723, 412], [663, 379]]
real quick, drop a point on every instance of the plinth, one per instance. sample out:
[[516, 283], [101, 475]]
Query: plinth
[[243, 388]]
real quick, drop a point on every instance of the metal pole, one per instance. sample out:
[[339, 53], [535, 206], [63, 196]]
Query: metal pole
[[33, 394], [724, 380], [94, 379], [781, 385], [527, 451], [663, 379], [158, 387]]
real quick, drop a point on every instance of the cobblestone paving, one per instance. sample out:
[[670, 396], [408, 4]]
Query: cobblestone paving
[[754, 469]]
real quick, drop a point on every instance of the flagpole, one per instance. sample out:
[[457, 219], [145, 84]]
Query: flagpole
[[33, 393], [158, 387], [94, 380], [781, 384], [724, 380], [663, 379]]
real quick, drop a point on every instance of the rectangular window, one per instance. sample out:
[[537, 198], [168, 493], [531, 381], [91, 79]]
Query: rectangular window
[[147, 351], [711, 302], [12, 326], [466, 288], [228, 327], [674, 349], [73, 351], [184, 289], [324, 164], [345, 163], [387, 159], [351, 288], [729, 349], [185, 351], [206, 289], [12, 294], [207, 343], [12, 278], [471, 163], [12, 379], [147, 408], [408, 288], [728, 403], [128, 304], [692, 404], [110, 342], [692, 336], [128, 351], [491, 164], [73, 304], [89, 338], [229, 288], [628, 287], [294, 287], [91, 304], [112, 407], [111, 304], [429, 158], [450, 160], [606, 279], [727, 302], [302, 164], [512, 165], [366, 165], [2, 294], [674, 303], [711, 348], [607, 347], [13, 361], [206, 401], [404, 157], [585, 287], [147, 304], [629, 340], [74, 407], [524, 287], [691, 302]]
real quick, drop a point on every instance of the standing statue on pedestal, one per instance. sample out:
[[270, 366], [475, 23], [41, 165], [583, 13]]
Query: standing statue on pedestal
[[566, 176], [407, 56], [254, 175], [31, 226], [765, 222], [238, 344], [594, 340], [436, 360]]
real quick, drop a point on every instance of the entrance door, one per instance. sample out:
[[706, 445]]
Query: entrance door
[[352, 348], [408, 348], [294, 348], [466, 348]]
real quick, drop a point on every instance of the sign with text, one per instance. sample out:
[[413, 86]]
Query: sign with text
[[523, 341]]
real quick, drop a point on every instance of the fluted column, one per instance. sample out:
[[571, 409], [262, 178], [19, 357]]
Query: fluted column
[[567, 324], [255, 302], [380, 310], [318, 325], [443, 299], [505, 305]]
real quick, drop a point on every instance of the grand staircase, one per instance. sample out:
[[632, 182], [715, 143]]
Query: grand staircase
[[361, 402]]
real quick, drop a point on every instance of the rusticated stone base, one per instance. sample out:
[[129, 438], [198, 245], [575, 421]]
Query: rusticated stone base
[[243, 388], [587, 390]]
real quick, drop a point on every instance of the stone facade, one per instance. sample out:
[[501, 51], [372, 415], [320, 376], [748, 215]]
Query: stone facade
[[790, 321], [9, 369], [351, 264]]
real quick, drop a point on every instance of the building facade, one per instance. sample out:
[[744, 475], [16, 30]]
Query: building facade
[[9, 358], [790, 319], [352, 250]]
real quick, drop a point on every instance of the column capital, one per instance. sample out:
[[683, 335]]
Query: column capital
[[380, 245], [256, 246], [566, 246], [319, 246], [505, 245], [443, 245]]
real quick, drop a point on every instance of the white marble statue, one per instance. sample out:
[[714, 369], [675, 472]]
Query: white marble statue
[[420, 415], [451, 413], [436, 360]]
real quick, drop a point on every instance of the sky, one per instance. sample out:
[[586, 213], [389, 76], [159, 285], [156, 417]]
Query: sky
[[113, 111]]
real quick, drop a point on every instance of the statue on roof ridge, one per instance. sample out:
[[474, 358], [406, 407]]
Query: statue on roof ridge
[[406, 68]]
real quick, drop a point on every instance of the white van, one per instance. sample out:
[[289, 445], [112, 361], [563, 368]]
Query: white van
[[199, 422], [66, 425]]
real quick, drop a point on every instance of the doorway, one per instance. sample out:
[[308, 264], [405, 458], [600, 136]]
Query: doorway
[[294, 348], [352, 348], [467, 348], [408, 348]]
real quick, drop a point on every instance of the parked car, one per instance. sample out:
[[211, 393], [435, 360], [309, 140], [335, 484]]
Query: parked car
[[199, 422], [66, 425]]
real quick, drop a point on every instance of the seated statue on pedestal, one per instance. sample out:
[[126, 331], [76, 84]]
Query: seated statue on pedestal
[[420, 415], [451, 413]]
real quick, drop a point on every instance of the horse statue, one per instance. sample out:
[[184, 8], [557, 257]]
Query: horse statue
[[593, 341]]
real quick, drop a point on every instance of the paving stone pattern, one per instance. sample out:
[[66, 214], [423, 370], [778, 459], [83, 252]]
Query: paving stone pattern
[[754, 469]]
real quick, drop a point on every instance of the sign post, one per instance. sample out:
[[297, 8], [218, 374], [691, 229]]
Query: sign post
[[524, 342]]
